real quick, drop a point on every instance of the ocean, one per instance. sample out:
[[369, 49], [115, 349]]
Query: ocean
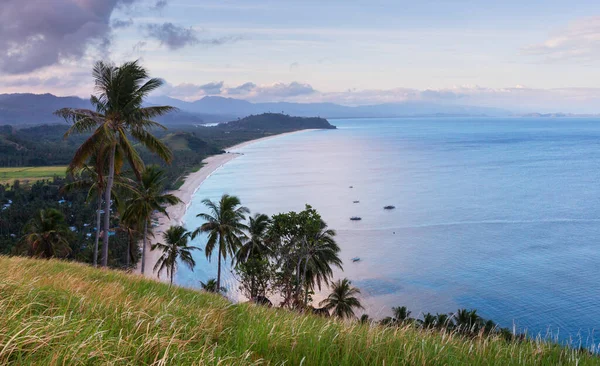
[[498, 215]]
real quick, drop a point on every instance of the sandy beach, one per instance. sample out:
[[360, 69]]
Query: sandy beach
[[185, 194]]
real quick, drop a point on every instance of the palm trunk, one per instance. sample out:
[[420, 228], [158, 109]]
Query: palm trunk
[[107, 203], [297, 292], [98, 225], [128, 262], [144, 241], [304, 282], [219, 276], [172, 269]]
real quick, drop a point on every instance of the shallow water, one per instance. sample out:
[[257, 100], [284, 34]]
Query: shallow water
[[500, 215]]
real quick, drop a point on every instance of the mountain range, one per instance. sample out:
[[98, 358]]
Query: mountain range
[[32, 109]]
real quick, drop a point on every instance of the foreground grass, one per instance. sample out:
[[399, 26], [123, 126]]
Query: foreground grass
[[31, 174], [61, 313]]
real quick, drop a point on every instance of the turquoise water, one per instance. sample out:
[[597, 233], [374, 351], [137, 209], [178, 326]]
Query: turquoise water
[[500, 215]]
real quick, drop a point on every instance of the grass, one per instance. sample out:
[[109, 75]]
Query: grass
[[63, 313], [31, 174]]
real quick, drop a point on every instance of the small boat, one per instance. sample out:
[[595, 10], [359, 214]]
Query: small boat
[[355, 218], [355, 201], [389, 207], [351, 187], [355, 259]]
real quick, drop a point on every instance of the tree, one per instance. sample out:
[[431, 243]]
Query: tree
[[258, 226], [342, 299], [119, 115], [467, 321], [47, 235], [174, 249], [225, 228], [254, 276], [211, 286], [319, 253], [91, 178], [148, 197]]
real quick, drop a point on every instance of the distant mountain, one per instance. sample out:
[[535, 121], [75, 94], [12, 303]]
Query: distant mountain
[[36, 109], [559, 115], [241, 108]]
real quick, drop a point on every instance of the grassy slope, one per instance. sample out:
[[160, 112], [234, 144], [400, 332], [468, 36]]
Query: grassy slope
[[57, 312]]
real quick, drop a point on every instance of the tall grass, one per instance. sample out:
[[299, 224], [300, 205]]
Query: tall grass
[[55, 312]]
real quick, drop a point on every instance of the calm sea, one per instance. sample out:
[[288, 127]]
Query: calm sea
[[498, 215]]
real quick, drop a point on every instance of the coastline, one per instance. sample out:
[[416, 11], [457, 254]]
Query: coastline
[[185, 193]]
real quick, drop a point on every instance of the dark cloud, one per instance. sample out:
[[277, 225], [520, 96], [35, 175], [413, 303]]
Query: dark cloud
[[122, 23], [160, 4], [171, 35], [39, 33], [220, 41], [242, 89]]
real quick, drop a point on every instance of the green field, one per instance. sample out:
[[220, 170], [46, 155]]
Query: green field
[[57, 313], [31, 174]]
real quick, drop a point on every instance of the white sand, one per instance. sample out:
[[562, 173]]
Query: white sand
[[185, 194]]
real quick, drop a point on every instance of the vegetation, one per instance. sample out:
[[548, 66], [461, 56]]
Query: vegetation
[[224, 228], [175, 249], [47, 235], [342, 299], [31, 174], [64, 313], [119, 115]]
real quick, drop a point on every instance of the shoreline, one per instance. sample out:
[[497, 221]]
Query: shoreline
[[185, 193]]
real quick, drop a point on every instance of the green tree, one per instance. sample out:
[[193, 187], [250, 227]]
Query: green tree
[[174, 249], [225, 228], [211, 286], [342, 299], [319, 252], [148, 196], [119, 114], [258, 226], [46, 235]]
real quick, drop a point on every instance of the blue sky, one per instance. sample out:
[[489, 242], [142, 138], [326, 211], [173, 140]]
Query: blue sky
[[524, 55]]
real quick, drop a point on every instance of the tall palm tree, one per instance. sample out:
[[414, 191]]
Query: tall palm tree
[[319, 254], [148, 196], [342, 299], [211, 286], [47, 234], [255, 245], [224, 226], [401, 314], [175, 248], [119, 115]]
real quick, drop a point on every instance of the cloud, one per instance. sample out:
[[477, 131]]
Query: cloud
[[580, 41], [39, 33], [171, 35], [243, 89], [294, 65], [221, 40], [121, 23], [160, 5]]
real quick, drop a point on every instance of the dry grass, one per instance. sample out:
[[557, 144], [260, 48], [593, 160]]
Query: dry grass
[[31, 174], [61, 313]]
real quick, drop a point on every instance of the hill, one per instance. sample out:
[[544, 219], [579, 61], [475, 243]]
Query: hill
[[64, 313], [276, 122], [35, 109]]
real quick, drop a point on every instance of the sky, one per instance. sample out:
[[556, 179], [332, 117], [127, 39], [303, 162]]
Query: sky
[[526, 56]]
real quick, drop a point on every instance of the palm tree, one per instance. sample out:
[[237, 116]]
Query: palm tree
[[224, 226], [148, 197], [429, 321], [47, 234], [342, 299], [320, 252], [401, 314], [467, 321], [119, 115], [255, 245], [211, 286], [175, 248]]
